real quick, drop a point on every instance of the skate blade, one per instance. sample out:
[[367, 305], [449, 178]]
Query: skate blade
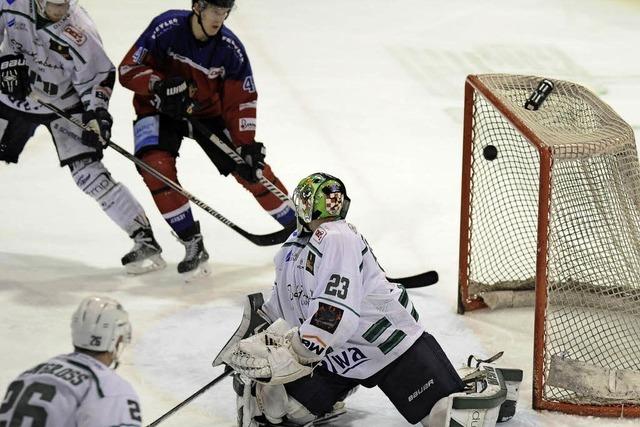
[[203, 270], [153, 263]]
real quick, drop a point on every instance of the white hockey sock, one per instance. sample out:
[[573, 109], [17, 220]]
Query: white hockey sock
[[114, 198]]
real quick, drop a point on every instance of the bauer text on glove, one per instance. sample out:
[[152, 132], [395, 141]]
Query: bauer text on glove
[[171, 97], [14, 76]]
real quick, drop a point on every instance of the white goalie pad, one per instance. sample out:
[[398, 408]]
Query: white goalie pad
[[268, 357], [471, 409], [262, 404]]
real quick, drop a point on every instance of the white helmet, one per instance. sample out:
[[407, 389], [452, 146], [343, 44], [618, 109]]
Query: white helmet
[[99, 323], [42, 5]]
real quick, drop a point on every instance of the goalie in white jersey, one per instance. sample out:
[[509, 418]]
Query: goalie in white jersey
[[79, 389], [51, 50], [336, 323]]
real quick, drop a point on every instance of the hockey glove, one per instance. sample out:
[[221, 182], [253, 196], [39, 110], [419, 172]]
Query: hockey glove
[[99, 124], [14, 76], [271, 357], [171, 97], [253, 155]]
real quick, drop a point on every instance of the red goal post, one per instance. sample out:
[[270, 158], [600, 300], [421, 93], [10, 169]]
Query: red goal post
[[550, 214]]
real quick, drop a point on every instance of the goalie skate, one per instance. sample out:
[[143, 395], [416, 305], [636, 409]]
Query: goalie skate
[[144, 257]]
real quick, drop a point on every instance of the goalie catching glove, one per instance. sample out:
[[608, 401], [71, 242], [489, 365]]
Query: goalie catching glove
[[274, 356], [14, 76]]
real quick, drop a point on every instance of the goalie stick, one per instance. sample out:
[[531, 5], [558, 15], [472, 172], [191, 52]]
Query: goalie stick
[[427, 278], [270, 239], [251, 324]]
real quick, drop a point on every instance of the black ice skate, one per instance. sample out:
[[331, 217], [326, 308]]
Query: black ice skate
[[145, 254], [195, 263]]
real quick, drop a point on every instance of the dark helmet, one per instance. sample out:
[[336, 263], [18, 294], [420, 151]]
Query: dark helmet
[[219, 3]]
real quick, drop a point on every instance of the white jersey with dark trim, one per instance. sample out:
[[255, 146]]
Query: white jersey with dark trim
[[67, 62], [70, 390], [329, 284]]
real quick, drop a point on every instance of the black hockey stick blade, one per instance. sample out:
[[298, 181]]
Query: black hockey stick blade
[[421, 280], [276, 238]]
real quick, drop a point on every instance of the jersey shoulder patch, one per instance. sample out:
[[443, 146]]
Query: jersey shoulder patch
[[75, 34], [319, 235]]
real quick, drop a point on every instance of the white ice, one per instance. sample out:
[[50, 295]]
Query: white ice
[[371, 91]]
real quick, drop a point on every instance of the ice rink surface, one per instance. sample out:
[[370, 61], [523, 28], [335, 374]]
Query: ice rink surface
[[371, 91]]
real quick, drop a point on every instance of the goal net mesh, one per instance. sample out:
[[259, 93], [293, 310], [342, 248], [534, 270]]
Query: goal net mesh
[[592, 261]]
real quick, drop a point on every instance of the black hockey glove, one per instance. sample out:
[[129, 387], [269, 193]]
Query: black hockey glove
[[14, 76], [172, 97], [99, 122], [253, 155]]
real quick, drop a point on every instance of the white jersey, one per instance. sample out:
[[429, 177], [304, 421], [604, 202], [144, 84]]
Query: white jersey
[[71, 390], [331, 286], [67, 62]]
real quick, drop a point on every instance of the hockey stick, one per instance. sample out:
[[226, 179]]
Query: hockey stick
[[236, 158], [251, 324], [259, 239], [215, 381], [427, 278]]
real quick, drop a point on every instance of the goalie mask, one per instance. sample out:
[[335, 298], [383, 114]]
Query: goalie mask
[[100, 324], [319, 196]]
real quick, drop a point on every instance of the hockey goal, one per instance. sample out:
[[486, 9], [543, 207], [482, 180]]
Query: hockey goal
[[550, 215]]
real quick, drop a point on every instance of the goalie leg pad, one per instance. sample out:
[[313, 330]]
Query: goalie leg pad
[[512, 379], [276, 405], [471, 409], [257, 403], [114, 198], [246, 403]]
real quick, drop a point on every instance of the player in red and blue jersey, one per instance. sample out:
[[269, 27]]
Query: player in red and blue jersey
[[188, 64]]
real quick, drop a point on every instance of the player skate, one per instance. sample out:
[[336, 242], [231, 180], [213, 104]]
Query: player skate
[[145, 254], [195, 263]]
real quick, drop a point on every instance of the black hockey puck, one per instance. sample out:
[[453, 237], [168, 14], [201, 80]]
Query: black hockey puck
[[490, 152]]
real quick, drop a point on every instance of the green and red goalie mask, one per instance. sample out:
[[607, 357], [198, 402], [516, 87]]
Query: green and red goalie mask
[[319, 196]]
